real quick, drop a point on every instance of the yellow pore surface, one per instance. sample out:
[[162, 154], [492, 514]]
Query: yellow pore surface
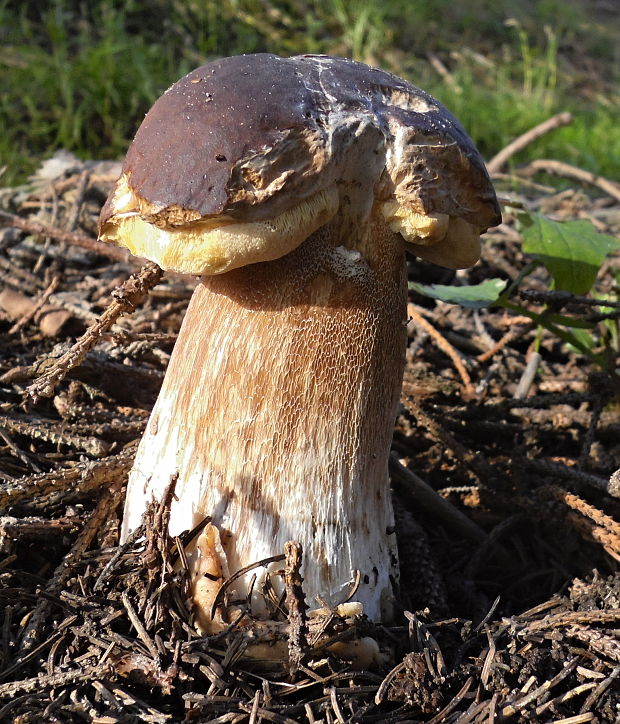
[[448, 241], [218, 244]]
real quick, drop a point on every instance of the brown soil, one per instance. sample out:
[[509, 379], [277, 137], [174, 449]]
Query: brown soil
[[511, 590]]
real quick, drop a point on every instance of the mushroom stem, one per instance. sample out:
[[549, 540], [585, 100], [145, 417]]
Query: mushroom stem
[[276, 414]]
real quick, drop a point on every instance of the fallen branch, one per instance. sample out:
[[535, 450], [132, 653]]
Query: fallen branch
[[69, 237], [546, 467], [445, 346], [430, 501], [81, 478], [559, 168], [296, 605], [476, 462], [600, 527], [108, 501], [511, 336], [130, 295], [496, 163]]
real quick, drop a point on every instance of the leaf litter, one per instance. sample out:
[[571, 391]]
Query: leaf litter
[[506, 507]]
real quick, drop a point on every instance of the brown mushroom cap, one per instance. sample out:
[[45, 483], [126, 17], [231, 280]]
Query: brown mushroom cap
[[250, 138]]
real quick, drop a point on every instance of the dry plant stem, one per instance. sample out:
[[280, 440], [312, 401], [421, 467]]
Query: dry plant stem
[[605, 644], [565, 169], [476, 462], [606, 530], [600, 689], [511, 709], [108, 501], [510, 336], [557, 121], [605, 538], [262, 713], [296, 605], [570, 619], [18, 452], [274, 414], [61, 185], [19, 278], [69, 237], [37, 306], [441, 716], [384, 686], [115, 560], [39, 429], [566, 473], [84, 477], [33, 527], [559, 299], [59, 633], [528, 376], [577, 691], [126, 299], [37, 683], [430, 501], [72, 222], [443, 71], [524, 182], [445, 346], [140, 630], [598, 405]]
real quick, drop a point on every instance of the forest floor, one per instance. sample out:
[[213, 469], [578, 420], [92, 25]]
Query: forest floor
[[509, 567]]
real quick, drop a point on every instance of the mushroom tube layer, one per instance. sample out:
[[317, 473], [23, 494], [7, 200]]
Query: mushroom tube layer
[[216, 245]]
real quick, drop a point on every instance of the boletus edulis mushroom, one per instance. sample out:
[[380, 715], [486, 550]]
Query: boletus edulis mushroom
[[292, 187]]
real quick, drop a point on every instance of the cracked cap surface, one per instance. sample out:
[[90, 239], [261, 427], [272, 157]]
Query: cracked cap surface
[[254, 139]]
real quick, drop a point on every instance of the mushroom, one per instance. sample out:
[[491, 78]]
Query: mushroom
[[292, 187]]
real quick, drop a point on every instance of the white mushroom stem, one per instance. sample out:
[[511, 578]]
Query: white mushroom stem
[[276, 416]]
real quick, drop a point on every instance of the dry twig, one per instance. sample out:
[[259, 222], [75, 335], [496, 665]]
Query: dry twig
[[445, 346], [126, 299], [425, 497], [108, 501], [69, 237], [296, 605], [557, 121], [81, 478], [578, 174]]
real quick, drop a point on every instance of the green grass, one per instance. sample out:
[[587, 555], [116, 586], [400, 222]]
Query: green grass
[[81, 75]]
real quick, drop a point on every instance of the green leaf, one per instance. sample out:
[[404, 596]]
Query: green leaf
[[476, 296], [585, 339], [566, 321], [572, 251]]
